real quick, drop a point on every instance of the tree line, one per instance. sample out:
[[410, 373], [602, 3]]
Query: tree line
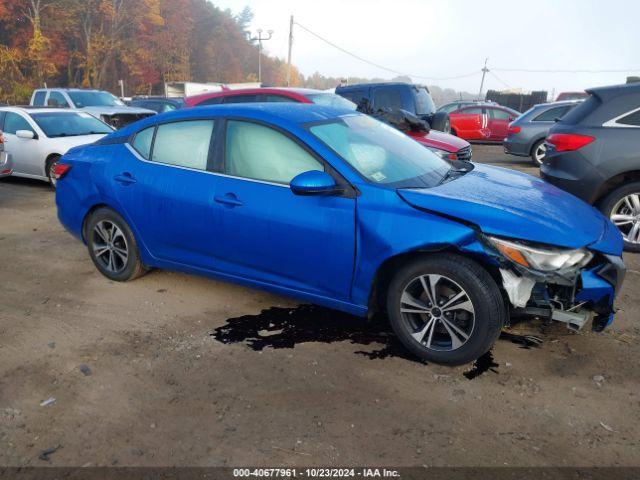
[[95, 43]]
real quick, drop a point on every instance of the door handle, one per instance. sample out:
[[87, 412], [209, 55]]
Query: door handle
[[125, 178], [228, 199]]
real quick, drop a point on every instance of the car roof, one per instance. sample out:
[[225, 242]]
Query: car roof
[[291, 114], [34, 109], [70, 89], [285, 91], [612, 91], [380, 84]]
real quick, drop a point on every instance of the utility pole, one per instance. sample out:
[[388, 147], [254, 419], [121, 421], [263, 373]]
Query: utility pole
[[289, 55], [121, 84], [261, 39], [484, 72]]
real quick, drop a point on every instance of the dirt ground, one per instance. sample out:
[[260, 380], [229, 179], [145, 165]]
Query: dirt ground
[[179, 370]]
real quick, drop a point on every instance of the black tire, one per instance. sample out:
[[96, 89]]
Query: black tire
[[124, 268], [48, 169], [440, 121], [489, 312], [535, 154], [613, 201]]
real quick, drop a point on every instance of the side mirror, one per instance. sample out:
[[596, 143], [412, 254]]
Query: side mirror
[[313, 182], [26, 134]]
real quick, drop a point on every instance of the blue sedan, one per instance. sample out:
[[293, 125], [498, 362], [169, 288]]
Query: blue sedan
[[335, 208]]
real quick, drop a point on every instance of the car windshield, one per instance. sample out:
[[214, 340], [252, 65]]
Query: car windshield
[[83, 98], [424, 102], [380, 153], [331, 100], [69, 124]]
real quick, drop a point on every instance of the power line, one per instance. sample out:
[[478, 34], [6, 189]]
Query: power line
[[499, 79], [529, 70], [377, 65]]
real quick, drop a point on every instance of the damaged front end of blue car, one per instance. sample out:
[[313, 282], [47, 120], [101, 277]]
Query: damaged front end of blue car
[[574, 286], [555, 257]]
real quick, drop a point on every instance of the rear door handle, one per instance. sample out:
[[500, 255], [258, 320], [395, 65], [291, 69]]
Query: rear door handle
[[125, 178], [228, 199]]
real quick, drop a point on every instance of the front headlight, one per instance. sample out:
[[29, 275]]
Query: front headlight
[[443, 153], [543, 259]]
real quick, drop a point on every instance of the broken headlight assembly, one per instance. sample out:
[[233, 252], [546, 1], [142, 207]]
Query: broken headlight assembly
[[542, 259]]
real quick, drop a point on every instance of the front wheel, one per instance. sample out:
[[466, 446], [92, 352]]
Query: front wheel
[[622, 207], [446, 309], [112, 246]]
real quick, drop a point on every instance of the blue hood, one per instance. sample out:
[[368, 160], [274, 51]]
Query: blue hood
[[511, 204]]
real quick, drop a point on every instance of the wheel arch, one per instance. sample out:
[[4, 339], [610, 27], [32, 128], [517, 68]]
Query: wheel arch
[[50, 157], [88, 215], [535, 141], [385, 272], [614, 182]]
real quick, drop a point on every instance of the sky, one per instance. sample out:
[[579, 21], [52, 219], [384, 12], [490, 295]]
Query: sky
[[434, 39]]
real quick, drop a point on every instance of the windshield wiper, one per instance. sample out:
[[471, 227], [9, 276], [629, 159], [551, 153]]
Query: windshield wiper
[[458, 168]]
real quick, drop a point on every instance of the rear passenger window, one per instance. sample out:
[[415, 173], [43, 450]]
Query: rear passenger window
[[278, 98], [211, 101], [551, 114], [633, 119], [185, 144], [499, 114], [38, 98], [142, 142], [387, 98], [241, 99]]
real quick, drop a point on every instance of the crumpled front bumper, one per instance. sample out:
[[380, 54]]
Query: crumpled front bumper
[[599, 287], [587, 296]]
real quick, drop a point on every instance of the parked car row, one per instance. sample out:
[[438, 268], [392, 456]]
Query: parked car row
[[284, 179]]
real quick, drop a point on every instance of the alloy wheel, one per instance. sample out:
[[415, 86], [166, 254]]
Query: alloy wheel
[[540, 152], [626, 216], [109, 246], [438, 312]]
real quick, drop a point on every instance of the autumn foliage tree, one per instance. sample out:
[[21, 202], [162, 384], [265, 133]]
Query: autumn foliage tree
[[95, 43]]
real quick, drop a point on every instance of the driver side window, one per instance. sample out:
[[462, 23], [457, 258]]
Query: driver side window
[[262, 153]]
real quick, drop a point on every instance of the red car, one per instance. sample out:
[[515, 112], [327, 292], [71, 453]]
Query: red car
[[484, 122], [445, 145]]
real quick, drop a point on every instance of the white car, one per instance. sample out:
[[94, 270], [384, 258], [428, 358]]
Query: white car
[[35, 138]]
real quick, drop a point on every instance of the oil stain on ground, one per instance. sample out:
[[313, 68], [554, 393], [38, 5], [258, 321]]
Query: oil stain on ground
[[278, 327]]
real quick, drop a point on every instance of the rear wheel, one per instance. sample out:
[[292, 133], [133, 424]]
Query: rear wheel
[[446, 309], [622, 206], [112, 246], [538, 152], [49, 167]]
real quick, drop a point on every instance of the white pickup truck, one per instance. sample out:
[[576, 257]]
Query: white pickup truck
[[100, 104]]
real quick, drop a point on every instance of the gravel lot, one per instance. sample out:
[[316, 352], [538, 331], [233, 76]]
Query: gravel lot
[[180, 370]]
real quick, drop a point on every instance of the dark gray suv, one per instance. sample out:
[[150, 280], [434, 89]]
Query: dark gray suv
[[594, 153], [526, 133]]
